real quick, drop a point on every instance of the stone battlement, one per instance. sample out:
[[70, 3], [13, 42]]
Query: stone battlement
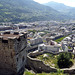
[[16, 39], [13, 51], [11, 35]]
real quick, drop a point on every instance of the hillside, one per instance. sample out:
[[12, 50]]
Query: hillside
[[58, 6], [67, 10], [27, 10]]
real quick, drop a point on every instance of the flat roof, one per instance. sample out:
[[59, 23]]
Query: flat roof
[[11, 35], [5, 36]]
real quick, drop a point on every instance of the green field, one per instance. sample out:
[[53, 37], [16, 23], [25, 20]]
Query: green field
[[60, 39], [58, 73]]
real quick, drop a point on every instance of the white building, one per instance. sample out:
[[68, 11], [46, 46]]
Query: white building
[[36, 41], [53, 47], [74, 50], [64, 46]]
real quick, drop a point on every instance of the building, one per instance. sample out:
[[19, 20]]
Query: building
[[36, 41], [3, 28], [50, 47], [13, 53], [64, 47]]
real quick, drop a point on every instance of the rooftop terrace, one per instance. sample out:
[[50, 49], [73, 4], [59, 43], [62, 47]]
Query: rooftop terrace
[[6, 35]]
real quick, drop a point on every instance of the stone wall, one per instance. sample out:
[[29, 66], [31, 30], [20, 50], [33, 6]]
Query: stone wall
[[6, 58], [32, 48], [13, 52], [39, 66]]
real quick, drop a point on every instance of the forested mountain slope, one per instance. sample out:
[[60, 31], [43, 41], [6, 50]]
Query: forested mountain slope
[[27, 10]]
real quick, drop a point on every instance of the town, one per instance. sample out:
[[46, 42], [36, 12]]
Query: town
[[22, 43]]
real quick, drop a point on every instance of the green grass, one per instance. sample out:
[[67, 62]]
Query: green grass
[[7, 12], [32, 31], [28, 41], [44, 40], [51, 60], [28, 73], [69, 47], [60, 39], [51, 74], [57, 73]]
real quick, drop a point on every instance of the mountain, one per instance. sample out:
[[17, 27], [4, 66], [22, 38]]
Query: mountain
[[27, 10], [67, 10], [58, 6]]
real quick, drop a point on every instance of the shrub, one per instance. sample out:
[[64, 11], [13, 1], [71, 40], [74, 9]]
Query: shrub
[[64, 60]]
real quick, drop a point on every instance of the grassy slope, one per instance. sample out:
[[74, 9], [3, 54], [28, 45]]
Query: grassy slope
[[27, 10], [58, 73]]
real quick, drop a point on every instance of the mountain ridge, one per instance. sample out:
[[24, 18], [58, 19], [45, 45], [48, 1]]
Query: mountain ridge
[[67, 10], [27, 10]]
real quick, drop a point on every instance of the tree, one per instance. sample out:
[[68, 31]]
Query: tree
[[64, 60]]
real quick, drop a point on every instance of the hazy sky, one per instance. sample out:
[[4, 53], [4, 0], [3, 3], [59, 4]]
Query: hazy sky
[[66, 2]]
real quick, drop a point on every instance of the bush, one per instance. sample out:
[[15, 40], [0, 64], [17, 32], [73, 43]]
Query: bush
[[64, 60]]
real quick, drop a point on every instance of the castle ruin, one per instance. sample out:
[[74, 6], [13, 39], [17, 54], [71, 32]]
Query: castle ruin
[[13, 53]]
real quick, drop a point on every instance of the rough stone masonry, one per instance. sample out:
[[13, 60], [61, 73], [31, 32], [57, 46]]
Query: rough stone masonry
[[13, 53]]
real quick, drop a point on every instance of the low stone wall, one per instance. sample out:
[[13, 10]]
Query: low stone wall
[[70, 71], [39, 66], [32, 55], [32, 48]]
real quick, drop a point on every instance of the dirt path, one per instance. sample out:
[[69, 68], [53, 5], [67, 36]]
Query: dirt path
[[73, 67]]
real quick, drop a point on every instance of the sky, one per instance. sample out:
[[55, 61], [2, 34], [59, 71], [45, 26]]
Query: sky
[[66, 2]]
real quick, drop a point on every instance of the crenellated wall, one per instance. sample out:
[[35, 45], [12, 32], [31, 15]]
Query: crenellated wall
[[39, 66]]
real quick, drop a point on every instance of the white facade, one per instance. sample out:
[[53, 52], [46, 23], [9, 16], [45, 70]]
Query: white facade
[[53, 48], [35, 41], [74, 50]]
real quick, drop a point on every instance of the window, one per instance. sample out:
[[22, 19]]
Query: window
[[23, 59], [4, 41], [17, 59]]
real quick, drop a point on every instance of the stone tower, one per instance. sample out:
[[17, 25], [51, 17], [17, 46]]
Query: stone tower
[[13, 53]]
